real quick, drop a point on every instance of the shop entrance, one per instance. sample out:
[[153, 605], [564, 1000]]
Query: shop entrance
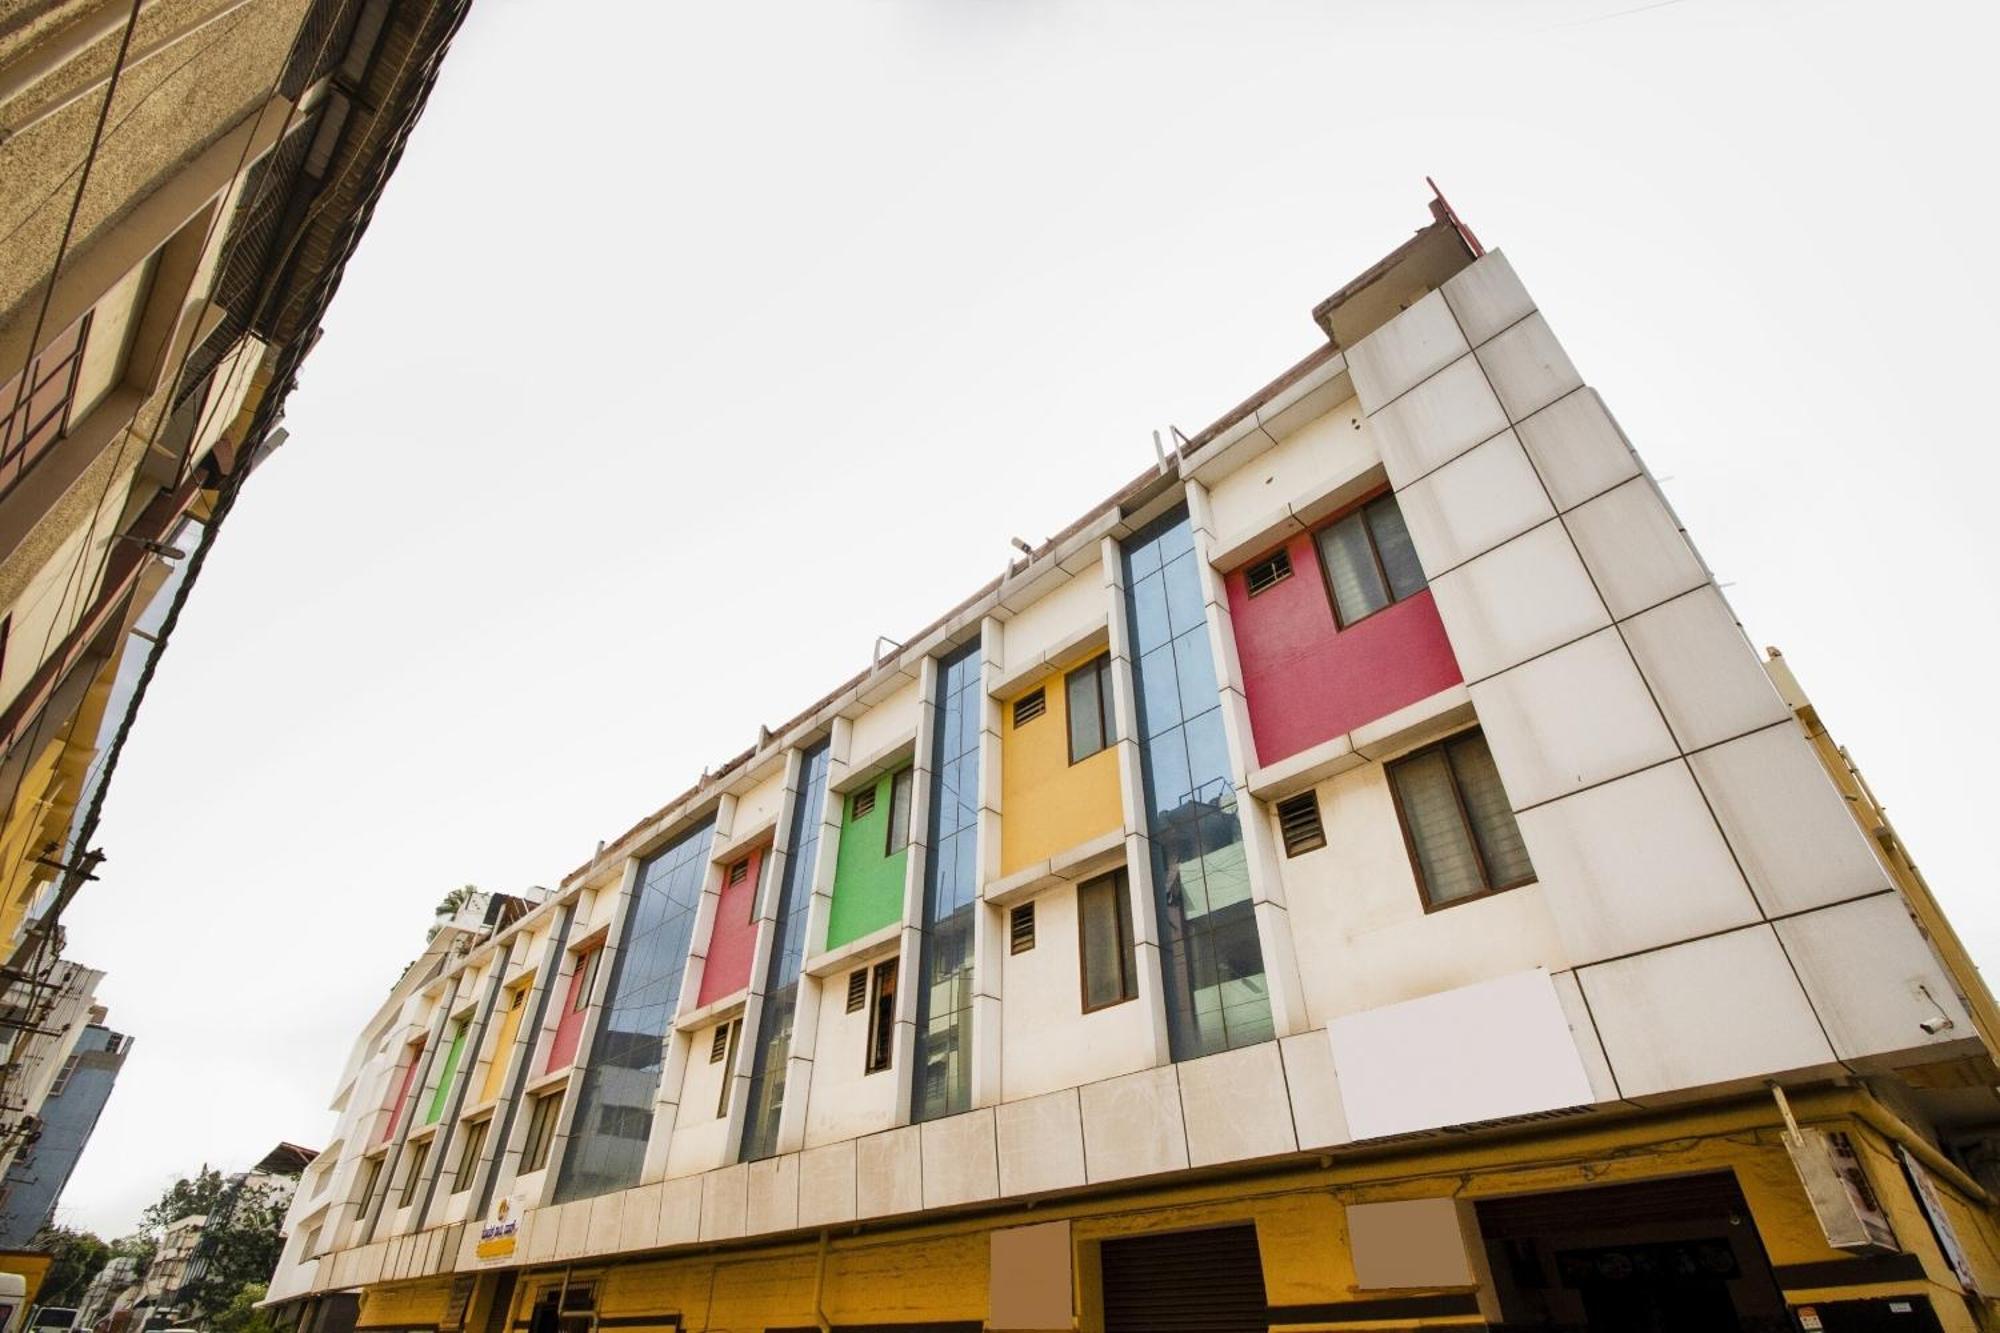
[[1208, 1281], [1665, 1256]]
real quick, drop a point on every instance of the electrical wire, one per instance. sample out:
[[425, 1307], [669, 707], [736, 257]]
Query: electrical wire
[[139, 102], [46, 929]]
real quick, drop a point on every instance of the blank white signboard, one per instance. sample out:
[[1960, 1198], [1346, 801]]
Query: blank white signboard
[[1481, 1052]]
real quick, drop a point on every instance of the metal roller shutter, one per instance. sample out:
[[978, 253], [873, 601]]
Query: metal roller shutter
[[1185, 1282]]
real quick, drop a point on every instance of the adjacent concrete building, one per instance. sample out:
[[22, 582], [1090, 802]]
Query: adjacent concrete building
[[181, 185], [33, 1185], [1358, 876]]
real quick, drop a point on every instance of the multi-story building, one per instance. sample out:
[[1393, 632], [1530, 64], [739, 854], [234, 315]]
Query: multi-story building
[[1358, 876], [168, 1271], [43, 1023], [33, 1184], [181, 185]]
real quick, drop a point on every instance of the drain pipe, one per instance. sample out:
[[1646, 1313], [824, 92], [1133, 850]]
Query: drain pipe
[[819, 1288]]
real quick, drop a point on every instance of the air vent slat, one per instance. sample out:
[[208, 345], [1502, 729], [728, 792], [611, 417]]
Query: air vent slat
[[857, 989], [1030, 706], [1021, 928], [1299, 823]]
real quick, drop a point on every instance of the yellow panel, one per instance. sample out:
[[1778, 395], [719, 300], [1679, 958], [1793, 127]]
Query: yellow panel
[[503, 1049], [402, 1307], [1047, 804]]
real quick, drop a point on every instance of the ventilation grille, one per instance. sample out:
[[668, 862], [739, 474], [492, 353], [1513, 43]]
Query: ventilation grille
[[857, 989], [1021, 928], [1030, 706], [739, 872], [1272, 569], [718, 1045], [1298, 821], [864, 803]]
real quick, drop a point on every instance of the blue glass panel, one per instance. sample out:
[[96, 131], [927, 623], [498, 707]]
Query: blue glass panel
[[773, 1046], [1211, 963], [943, 1080], [614, 1108]]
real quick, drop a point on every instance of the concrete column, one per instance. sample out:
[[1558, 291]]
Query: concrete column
[[909, 952], [988, 930], [1132, 797]]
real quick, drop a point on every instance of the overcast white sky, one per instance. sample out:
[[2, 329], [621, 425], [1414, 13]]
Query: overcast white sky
[[694, 346]]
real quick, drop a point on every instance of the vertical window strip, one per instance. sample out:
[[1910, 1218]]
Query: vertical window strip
[[942, 1080], [1212, 963], [614, 1113], [901, 787], [788, 943], [881, 1017]]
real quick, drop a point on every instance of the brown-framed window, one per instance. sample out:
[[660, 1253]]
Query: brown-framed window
[[468, 1155], [1457, 822], [371, 1176], [420, 1157], [1092, 721], [1368, 560], [541, 1130], [580, 993], [726, 1040], [35, 406], [881, 1017], [1105, 954], [901, 787]]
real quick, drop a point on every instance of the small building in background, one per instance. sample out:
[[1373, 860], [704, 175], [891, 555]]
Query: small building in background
[[34, 1184]]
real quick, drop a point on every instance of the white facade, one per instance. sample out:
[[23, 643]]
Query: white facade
[[1705, 913]]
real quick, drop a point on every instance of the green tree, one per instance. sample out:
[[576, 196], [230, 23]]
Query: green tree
[[190, 1196], [239, 1244], [77, 1257], [241, 1315], [451, 902]]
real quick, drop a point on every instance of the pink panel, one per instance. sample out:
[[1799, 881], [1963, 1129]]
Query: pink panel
[[733, 939], [569, 1028], [388, 1127], [1307, 680]]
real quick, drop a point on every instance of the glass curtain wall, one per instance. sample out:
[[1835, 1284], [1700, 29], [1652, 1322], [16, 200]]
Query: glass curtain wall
[[788, 954], [614, 1111], [1212, 964], [943, 1082]]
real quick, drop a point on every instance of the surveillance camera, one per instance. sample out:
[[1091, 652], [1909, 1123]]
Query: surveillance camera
[[1933, 1026]]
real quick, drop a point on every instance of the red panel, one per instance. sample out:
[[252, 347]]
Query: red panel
[[402, 1091], [569, 1028], [1307, 680], [733, 938]]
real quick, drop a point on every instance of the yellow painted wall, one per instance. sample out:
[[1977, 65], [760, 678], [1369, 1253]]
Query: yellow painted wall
[[414, 1303], [1049, 805], [938, 1270]]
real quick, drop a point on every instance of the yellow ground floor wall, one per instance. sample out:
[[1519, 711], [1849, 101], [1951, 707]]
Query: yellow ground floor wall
[[935, 1271]]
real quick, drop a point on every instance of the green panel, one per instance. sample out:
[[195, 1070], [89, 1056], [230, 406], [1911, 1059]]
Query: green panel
[[444, 1080], [867, 881]]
